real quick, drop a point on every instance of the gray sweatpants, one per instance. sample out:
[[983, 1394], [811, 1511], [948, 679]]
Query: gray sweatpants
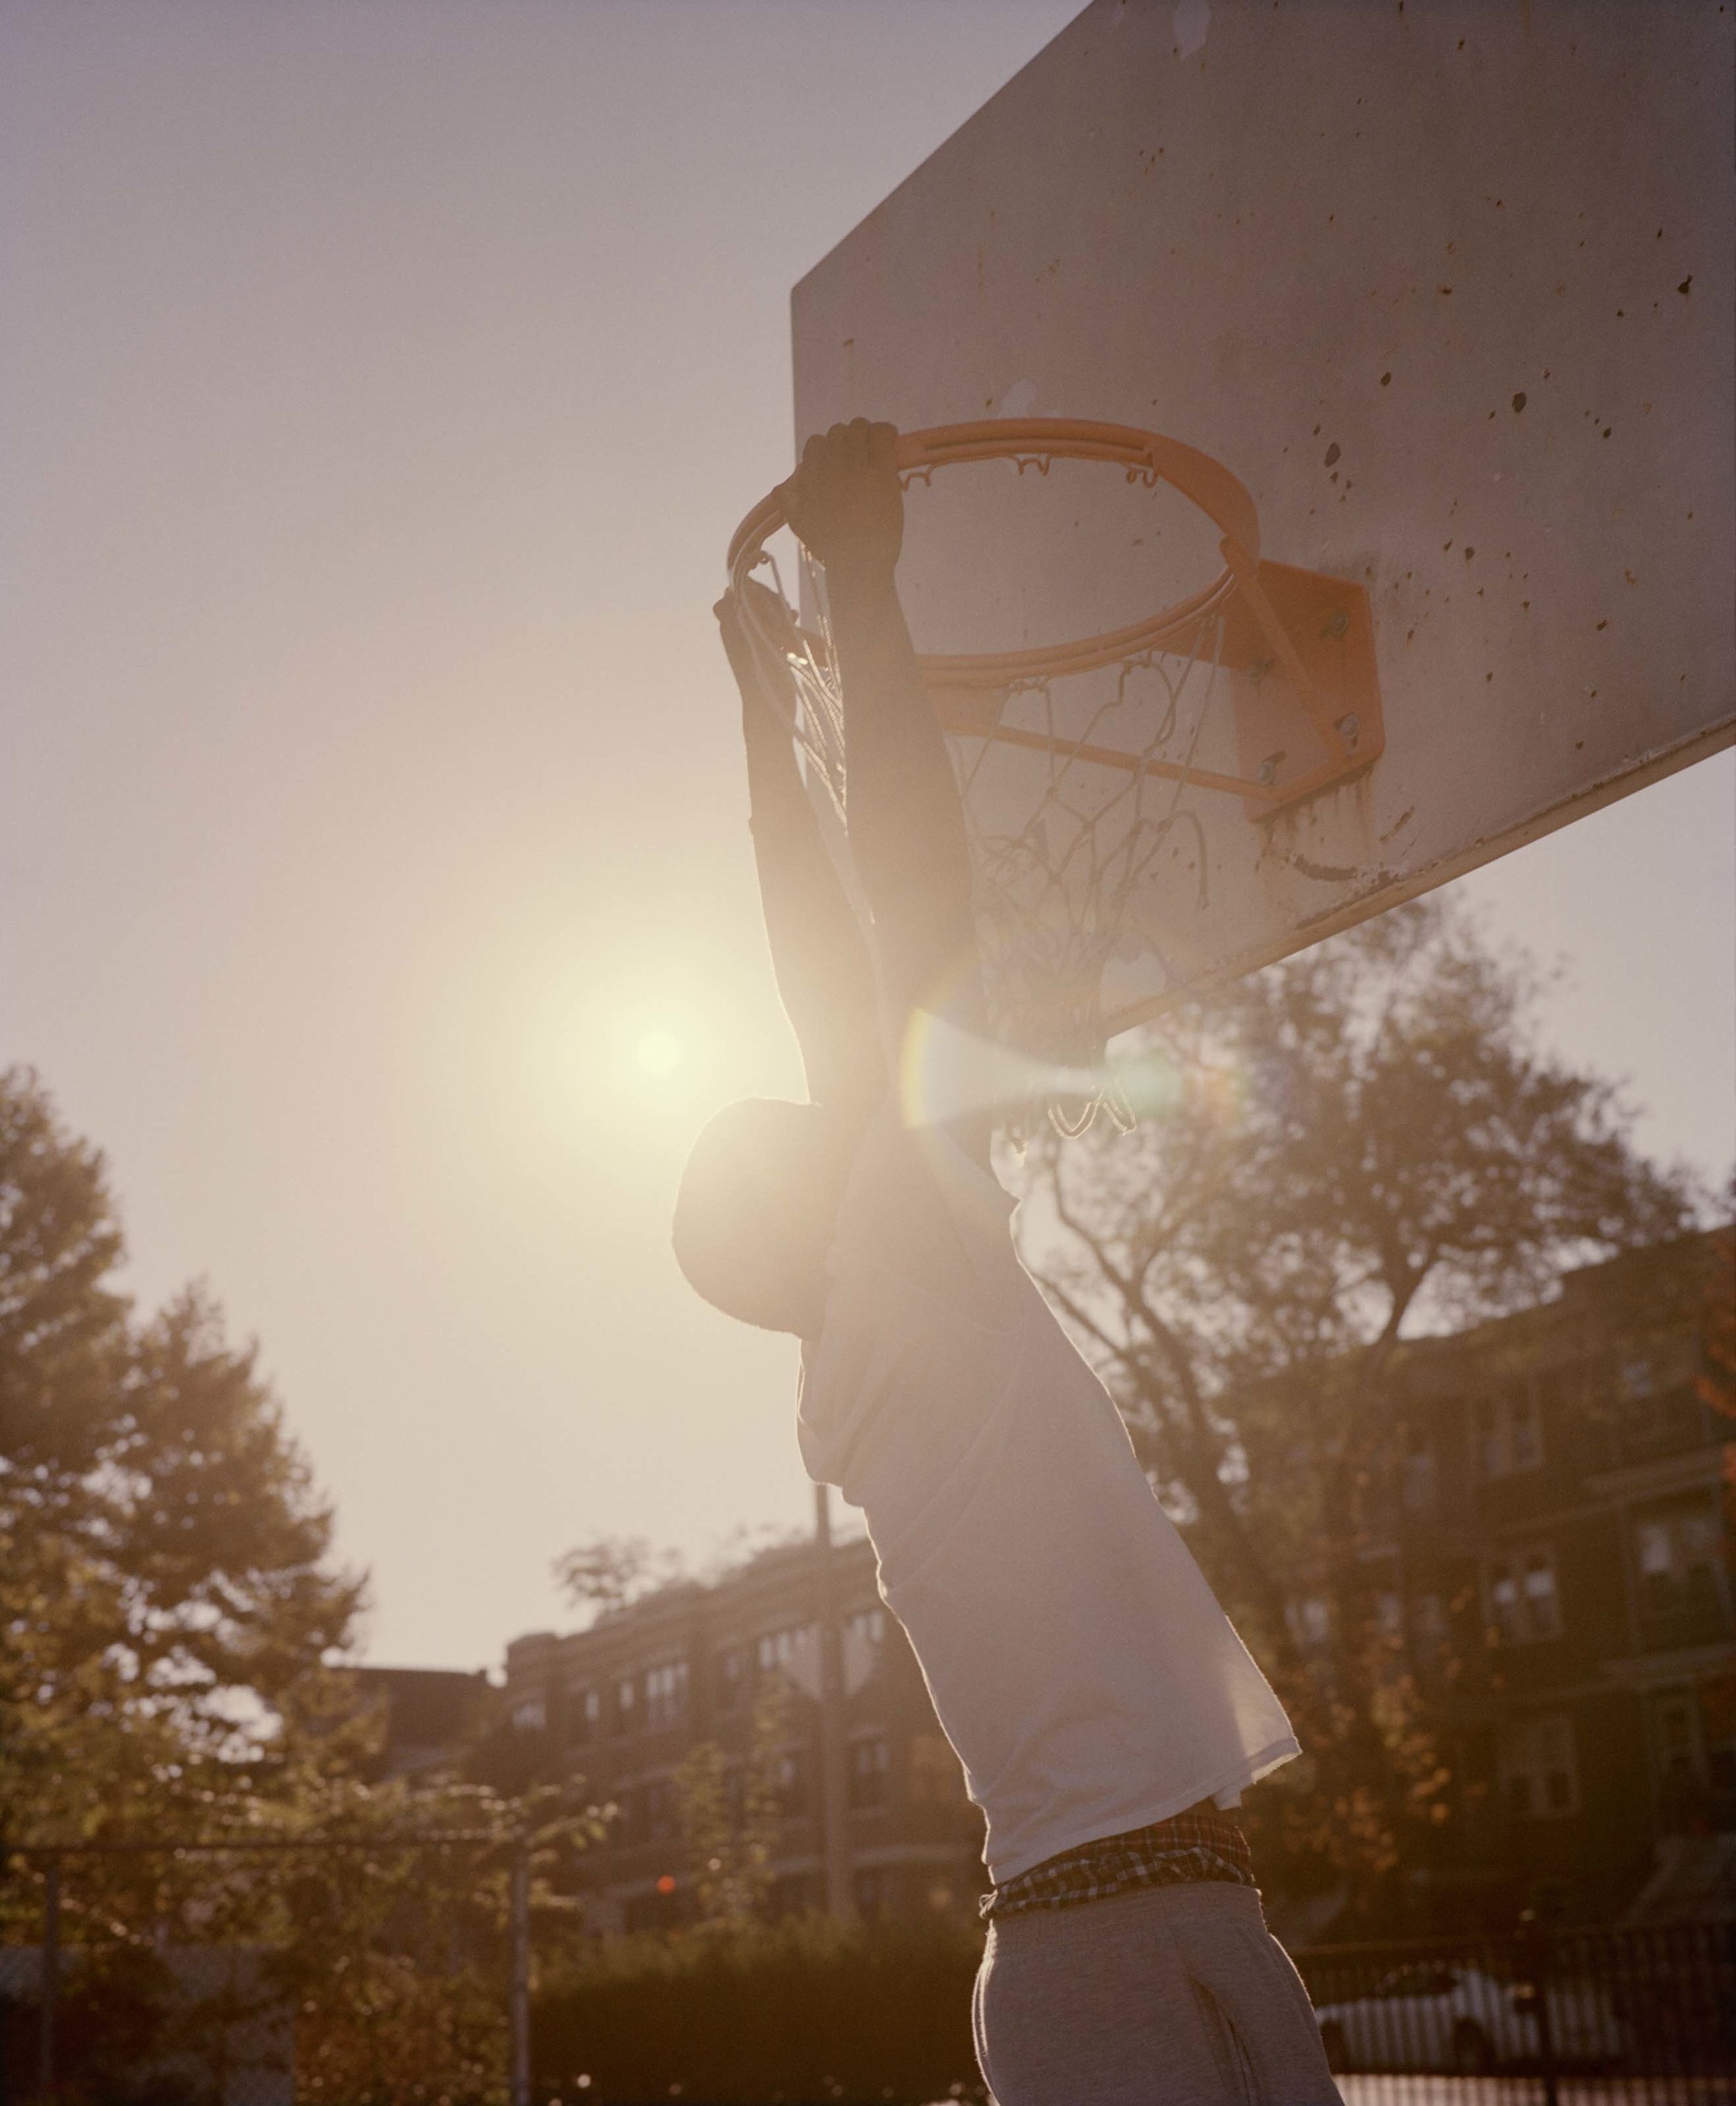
[[1165, 1996]]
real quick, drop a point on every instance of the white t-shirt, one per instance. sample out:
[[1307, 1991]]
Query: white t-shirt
[[1080, 1665]]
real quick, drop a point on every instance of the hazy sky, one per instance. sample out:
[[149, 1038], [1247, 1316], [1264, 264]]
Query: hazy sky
[[378, 386]]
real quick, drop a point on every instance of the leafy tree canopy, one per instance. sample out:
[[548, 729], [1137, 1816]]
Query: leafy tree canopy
[[170, 1625], [167, 1606], [1362, 1145]]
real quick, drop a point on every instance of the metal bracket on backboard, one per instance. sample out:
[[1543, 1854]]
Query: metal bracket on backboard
[[1326, 683], [1300, 646]]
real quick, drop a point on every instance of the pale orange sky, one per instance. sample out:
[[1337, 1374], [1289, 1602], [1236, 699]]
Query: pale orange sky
[[378, 388]]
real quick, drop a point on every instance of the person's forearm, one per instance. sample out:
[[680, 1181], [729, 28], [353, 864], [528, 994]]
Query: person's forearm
[[906, 827], [798, 885], [819, 957]]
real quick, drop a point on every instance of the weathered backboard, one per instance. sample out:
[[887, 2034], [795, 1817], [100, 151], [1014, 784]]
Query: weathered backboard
[[1448, 287]]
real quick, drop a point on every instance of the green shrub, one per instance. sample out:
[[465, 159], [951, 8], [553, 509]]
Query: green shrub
[[801, 2012]]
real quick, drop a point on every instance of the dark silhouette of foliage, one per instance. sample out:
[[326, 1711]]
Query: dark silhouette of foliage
[[169, 1629], [605, 1573], [166, 1606], [803, 2009]]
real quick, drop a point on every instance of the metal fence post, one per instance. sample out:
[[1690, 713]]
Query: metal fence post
[[1535, 1944], [1546, 2027], [520, 1987], [50, 1979]]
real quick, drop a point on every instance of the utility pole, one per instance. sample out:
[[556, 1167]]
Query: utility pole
[[51, 1980], [840, 1893], [520, 2026]]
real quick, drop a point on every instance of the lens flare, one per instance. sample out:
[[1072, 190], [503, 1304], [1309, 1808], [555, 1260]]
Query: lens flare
[[946, 1072], [1153, 1083]]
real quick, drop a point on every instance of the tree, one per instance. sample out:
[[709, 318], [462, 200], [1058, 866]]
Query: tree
[[732, 1835], [168, 1626], [1359, 1145], [166, 1609], [394, 1955], [607, 1572], [369, 1923]]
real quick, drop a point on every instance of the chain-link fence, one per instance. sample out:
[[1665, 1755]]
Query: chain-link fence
[[395, 1970], [279, 1972]]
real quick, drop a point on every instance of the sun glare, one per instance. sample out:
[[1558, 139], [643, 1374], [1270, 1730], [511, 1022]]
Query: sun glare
[[659, 1052]]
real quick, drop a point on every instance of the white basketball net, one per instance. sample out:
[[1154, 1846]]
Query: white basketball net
[[1064, 847]]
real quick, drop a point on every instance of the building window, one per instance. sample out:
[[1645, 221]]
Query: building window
[[1510, 1432], [584, 1716], [1718, 1730], [1524, 1605], [795, 1653], [1416, 1481], [665, 1696], [1676, 1552], [791, 1778], [863, 1648], [870, 1768], [660, 1818], [626, 1704], [731, 1679], [1539, 1772], [648, 1813], [529, 1715], [1429, 1630], [1658, 1407], [1680, 1770], [1310, 1620], [866, 1627], [778, 1649]]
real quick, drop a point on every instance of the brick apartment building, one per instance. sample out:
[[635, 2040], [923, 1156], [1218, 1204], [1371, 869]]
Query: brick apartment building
[[1553, 1567], [622, 1702], [1556, 1565], [424, 1714]]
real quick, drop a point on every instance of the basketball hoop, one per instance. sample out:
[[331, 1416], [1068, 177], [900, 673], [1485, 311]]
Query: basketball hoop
[[1060, 870]]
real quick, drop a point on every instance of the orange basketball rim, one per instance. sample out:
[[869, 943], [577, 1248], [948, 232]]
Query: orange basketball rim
[[1312, 631]]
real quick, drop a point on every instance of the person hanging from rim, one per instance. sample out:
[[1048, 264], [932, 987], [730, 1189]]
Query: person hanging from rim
[[1106, 1715]]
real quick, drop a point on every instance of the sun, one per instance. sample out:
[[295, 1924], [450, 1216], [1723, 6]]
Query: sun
[[660, 1052]]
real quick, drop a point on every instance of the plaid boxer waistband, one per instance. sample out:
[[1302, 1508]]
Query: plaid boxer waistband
[[1190, 1847]]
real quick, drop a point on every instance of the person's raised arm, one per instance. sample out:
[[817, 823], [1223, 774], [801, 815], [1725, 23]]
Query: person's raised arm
[[906, 833], [825, 978]]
